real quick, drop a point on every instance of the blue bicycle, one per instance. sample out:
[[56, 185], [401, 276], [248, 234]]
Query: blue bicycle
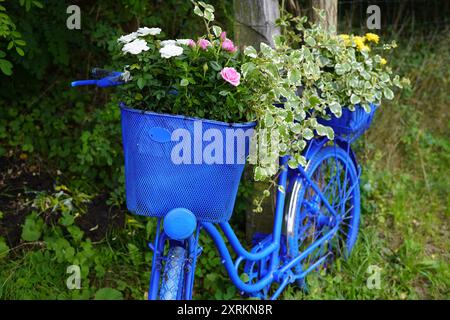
[[317, 208]]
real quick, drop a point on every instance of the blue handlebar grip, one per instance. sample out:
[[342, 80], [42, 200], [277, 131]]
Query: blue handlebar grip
[[84, 83]]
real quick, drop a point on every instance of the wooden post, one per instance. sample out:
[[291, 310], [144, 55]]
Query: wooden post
[[255, 23], [331, 13]]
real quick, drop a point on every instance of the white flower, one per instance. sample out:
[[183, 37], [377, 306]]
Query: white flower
[[135, 47], [185, 42], [168, 43], [126, 74], [170, 51], [148, 31], [128, 38]]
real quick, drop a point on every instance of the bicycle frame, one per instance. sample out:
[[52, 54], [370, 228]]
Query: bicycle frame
[[271, 249]]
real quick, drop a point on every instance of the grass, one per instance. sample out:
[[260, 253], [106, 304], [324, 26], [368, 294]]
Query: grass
[[405, 214]]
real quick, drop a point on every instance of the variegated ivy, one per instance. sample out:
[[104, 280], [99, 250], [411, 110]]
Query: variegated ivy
[[312, 71]]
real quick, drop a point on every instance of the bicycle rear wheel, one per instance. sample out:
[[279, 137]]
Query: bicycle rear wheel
[[308, 219], [173, 276]]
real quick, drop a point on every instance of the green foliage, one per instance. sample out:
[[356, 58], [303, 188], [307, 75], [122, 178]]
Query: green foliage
[[192, 71], [331, 72], [404, 191], [11, 37], [108, 294], [3, 249], [405, 167], [32, 229]]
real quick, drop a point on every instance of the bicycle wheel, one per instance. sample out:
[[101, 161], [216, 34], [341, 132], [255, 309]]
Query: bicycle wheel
[[172, 279], [308, 219]]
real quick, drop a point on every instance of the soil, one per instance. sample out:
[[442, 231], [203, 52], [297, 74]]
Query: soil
[[19, 180], [100, 219]]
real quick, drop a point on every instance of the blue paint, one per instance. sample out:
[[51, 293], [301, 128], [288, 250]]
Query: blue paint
[[183, 205], [179, 224]]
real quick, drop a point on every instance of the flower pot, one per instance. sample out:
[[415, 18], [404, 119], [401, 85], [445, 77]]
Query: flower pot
[[351, 124], [171, 162]]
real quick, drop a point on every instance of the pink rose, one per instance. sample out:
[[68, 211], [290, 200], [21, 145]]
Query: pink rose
[[228, 45], [191, 43], [223, 36], [231, 76], [204, 44]]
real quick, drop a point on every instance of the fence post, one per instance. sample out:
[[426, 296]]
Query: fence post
[[331, 12], [255, 23]]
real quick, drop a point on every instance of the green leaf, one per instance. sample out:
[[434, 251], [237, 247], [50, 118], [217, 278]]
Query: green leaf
[[209, 15], [20, 52], [336, 109], [247, 68], [295, 76], [38, 4], [325, 131], [32, 228], [215, 65], [260, 174], [339, 69], [269, 120], [184, 82], [20, 42], [354, 99], [76, 233], [265, 49], [206, 6], [250, 52], [278, 41], [293, 163], [314, 101], [141, 83], [6, 67], [108, 294], [388, 93], [308, 134], [310, 41], [217, 31], [198, 11], [296, 128], [66, 219]]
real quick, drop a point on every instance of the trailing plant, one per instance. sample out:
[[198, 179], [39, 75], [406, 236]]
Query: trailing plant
[[315, 74]]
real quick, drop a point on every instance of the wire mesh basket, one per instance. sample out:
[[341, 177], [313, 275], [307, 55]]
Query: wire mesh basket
[[156, 181], [352, 124]]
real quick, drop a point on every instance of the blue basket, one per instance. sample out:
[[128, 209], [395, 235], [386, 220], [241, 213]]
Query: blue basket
[[155, 184], [352, 124]]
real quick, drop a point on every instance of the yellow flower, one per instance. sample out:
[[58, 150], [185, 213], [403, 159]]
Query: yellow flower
[[372, 37], [383, 61], [346, 39], [360, 43]]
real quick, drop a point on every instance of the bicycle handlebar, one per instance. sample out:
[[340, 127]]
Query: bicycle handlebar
[[105, 79]]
